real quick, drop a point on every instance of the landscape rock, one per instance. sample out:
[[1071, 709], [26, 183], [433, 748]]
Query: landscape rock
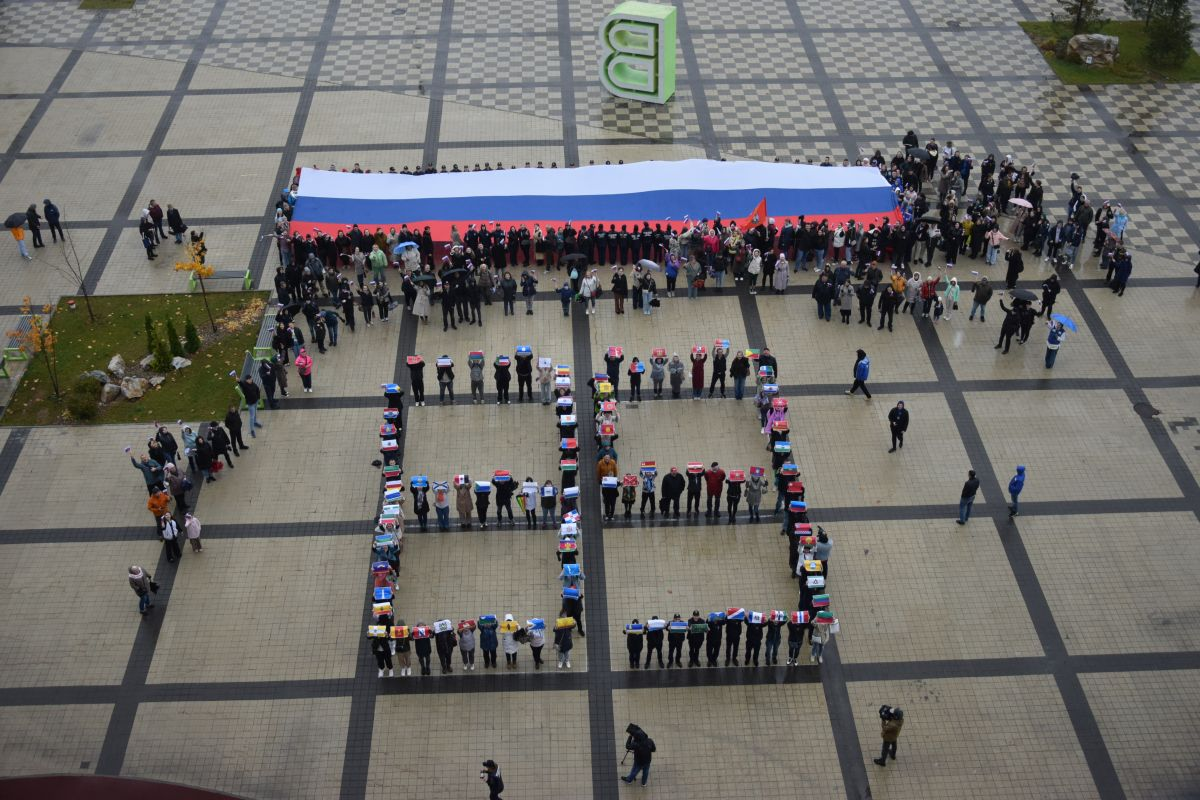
[[97, 375], [146, 362], [157, 380], [133, 388], [1103, 50], [116, 366], [109, 392], [179, 362]]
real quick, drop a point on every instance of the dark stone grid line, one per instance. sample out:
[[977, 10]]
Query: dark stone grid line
[[865, 513], [699, 100], [437, 91], [704, 677], [566, 86], [832, 103]]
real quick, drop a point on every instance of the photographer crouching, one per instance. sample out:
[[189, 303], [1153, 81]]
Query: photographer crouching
[[892, 720]]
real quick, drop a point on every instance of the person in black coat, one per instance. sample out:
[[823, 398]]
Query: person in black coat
[[174, 223], [1016, 265], [1050, 289], [220, 442], [712, 641], [35, 225], [416, 382], [654, 644], [524, 376], [754, 637], [424, 648], [445, 648], [672, 488], [52, 215], [504, 495], [1010, 326], [205, 456], [898, 422], [503, 378], [233, 421], [733, 640], [633, 643], [266, 373], [675, 645]]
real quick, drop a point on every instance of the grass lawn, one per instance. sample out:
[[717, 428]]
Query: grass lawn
[[1131, 66], [202, 391]]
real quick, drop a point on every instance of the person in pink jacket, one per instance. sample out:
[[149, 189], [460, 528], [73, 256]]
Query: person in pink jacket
[[305, 366]]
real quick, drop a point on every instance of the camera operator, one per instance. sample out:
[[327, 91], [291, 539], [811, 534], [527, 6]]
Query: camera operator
[[642, 747], [892, 720], [490, 774]]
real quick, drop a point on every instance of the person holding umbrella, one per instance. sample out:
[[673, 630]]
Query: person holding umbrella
[[16, 226]]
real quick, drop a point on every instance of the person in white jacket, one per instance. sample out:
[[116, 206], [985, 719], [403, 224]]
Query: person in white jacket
[[589, 287]]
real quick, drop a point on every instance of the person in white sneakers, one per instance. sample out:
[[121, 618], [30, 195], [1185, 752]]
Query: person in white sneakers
[[402, 650], [383, 655], [562, 643], [589, 287]]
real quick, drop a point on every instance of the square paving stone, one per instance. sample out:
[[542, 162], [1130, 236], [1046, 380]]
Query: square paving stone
[[503, 570], [286, 59], [411, 18], [154, 19], [380, 118], [945, 12], [47, 276], [840, 444], [1168, 107], [51, 458], [110, 72], [960, 49], [1144, 319], [26, 22], [103, 605], [539, 740], [1070, 441], [1037, 106], [82, 188], [345, 440], [678, 325], [881, 109], [809, 349], [517, 60], [241, 16], [214, 77], [874, 55], [87, 124], [207, 192], [1144, 719], [1107, 171], [764, 56], [1154, 592], [596, 108], [380, 63], [39, 65], [818, 15], [969, 344], [1178, 416], [796, 110], [951, 727], [538, 101], [219, 628], [246, 120], [255, 748], [950, 614], [13, 115], [39, 740], [712, 567], [466, 123], [444, 441], [734, 726]]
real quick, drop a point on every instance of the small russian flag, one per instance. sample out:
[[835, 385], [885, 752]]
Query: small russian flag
[[391, 413], [565, 402], [609, 482], [571, 492], [445, 361], [563, 382]]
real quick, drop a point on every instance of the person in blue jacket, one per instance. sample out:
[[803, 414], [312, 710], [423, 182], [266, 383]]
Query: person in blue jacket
[[565, 295], [1014, 491], [862, 370]]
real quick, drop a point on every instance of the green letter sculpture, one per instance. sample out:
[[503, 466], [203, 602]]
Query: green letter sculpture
[[637, 42]]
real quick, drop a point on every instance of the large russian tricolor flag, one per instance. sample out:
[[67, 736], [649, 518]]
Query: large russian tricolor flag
[[650, 191]]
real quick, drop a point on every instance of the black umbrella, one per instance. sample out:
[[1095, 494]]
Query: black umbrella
[[16, 220], [931, 218], [1023, 294], [574, 257], [919, 152], [425, 277], [453, 273]]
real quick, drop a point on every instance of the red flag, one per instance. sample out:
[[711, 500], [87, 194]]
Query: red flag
[[757, 217]]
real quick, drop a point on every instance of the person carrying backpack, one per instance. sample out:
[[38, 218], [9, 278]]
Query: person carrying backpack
[[643, 748]]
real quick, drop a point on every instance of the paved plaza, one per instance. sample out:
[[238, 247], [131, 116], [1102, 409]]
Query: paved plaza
[[1055, 654]]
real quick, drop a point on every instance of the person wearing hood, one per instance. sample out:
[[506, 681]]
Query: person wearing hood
[[1050, 290], [861, 371], [950, 295], [143, 585], [305, 367], [755, 486], [1015, 485], [510, 644], [845, 298], [191, 527], [53, 217], [1054, 340], [898, 422]]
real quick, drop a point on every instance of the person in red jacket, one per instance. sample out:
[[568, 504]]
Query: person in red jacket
[[714, 480]]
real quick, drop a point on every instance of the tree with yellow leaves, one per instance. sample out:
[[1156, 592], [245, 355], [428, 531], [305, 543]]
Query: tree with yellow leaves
[[196, 252], [39, 340]]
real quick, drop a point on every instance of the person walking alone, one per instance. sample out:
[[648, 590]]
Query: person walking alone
[[967, 498], [143, 585], [898, 422], [1015, 485], [861, 371], [893, 720]]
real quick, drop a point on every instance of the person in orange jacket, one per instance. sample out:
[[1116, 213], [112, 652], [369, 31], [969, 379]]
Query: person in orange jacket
[[606, 468], [158, 505]]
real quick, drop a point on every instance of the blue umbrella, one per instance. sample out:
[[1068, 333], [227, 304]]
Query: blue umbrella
[[402, 246], [1066, 321]]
